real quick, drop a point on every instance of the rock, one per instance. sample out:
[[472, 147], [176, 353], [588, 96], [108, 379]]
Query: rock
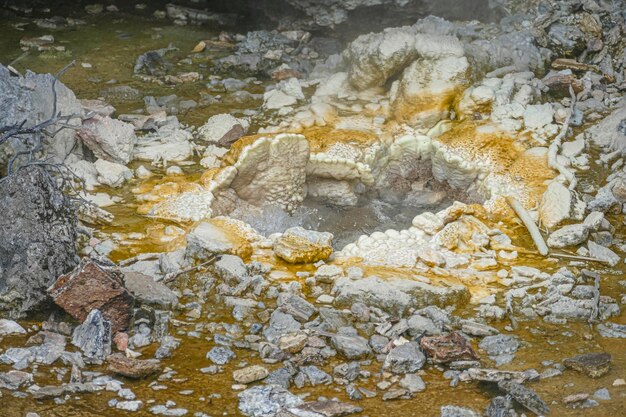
[[287, 93], [90, 287], [394, 296], [148, 291], [266, 401], [500, 344], [250, 374], [220, 355], [419, 325], [93, 337], [231, 269], [8, 327], [132, 368], [293, 343], [603, 253], [556, 204], [454, 411], [449, 348], [593, 365], [413, 383], [109, 139], [404, 359], [281, 324], [14, 380], [112, 174], [298, 245], [298, 307], [312, 375], [525, 396], [570, 235], [375, 57], [37, 239], [328, 408], [129, 405], [501, 407], [222, 130], [351, 346], [29, 100], [207, 240]]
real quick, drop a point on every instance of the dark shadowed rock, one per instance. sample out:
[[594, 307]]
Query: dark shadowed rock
[[591, 364], [525, 396], [93, 337], [91, 287], [37, 240]]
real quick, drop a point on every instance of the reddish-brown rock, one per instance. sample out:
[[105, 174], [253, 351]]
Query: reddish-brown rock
[[121, 341], [132, 368], [449, 348], [90, 286]]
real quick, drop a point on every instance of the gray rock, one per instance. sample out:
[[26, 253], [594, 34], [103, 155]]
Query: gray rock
[[280, 324], [231, 269], [10, 327], [501, 407], [207, 240], [603, 253], [312, 375], [222, 129], [413, 383], [454, 411], [298, 307], [266, 401], [395, 295], [422, 325], [351, 346], [220, 355], [404, 359], [148, 291], [525, 396], [37, 239], [109, 139], [570, 235], [29, 99], [93, 337], [500, 344], [13, 380]]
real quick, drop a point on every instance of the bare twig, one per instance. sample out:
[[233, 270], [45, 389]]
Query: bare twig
[[553, 150], [172, 276]]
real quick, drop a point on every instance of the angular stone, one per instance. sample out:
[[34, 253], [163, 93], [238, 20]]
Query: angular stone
[[132, 368], [603, 253], [148, 291], [109, 139], [93, 337], [280, 325], [404, 359], [454, 411], [222, 129], [220, 355], [298, 245], [250, 374], [231, 269], [593, 365], [525, 396], [13, 380], [556, 205], [351, 346], [207, 240], [449, 348], [91, 287], [328, 408], [266, 401], [499, 345], [10, 327], [570, 235], [298, 307]]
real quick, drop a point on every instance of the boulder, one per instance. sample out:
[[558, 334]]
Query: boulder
[[109, 139], [90, 287], [570, 235], [208, 239], [250, 374], [37, 239], [111, 173], [29, 100], [351, 346], [556, 204], [448, 348], [298, 245]]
